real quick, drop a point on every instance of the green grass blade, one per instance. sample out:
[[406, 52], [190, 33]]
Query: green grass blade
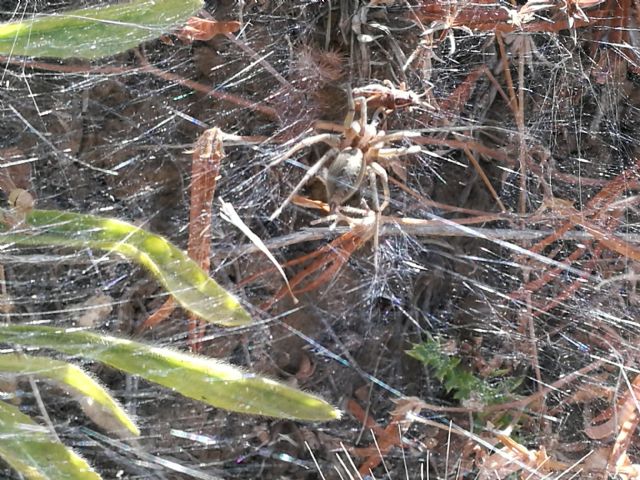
[[204, 379], [192, 288], [29, 450], [94, 32], [76, 381]]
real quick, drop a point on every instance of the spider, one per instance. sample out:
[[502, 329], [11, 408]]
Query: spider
[[357, 150]]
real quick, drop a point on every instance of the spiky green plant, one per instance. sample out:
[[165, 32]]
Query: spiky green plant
[[459, 381]]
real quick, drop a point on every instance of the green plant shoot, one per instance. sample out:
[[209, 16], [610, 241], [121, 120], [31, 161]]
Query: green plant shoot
[[94, 32], [458, 380], [30, 450], [204, 379], [192, 288], [94, 399]]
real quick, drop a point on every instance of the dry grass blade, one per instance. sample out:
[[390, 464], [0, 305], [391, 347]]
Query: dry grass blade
[[327, 262], [230, 215]]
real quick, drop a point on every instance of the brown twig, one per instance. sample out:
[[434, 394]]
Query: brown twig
[[159, 316], [145, 68], [205, 166], [485, 179], [208, 91]]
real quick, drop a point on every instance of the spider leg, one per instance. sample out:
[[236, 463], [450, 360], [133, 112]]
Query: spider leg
[[364, 113], [313, 170], [351, 128], [376, 170], [351, 113], [399, 135], [377, 116], [329, 138], [373, 184], [398, 152]]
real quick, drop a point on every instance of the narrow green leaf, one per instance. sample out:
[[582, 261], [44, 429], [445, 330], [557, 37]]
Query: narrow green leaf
[[29, 450], [182, 277], [94, 32], [204, 379], [75, 380]]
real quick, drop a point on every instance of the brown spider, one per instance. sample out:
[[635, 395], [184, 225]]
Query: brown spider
[[357, 151]]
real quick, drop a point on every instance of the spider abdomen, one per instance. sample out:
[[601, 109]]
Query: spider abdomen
[[345, 175]]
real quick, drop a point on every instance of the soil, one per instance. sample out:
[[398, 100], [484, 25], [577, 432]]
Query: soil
[[347, 338]]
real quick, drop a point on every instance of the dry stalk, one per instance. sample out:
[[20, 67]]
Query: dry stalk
[[207, 154]]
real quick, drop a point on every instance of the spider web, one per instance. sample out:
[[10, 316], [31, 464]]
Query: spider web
[[455, 263]]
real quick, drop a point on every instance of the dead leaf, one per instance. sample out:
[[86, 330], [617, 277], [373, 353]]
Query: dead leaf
[[94, 311], [204, 29]]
